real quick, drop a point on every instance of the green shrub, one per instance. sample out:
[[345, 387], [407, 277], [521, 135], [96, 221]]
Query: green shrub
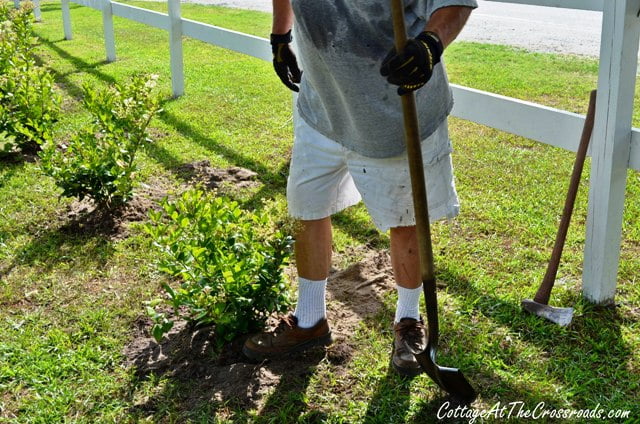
[[99, 161], [29, 107], [29, 103], [228, 262], [16, 34]]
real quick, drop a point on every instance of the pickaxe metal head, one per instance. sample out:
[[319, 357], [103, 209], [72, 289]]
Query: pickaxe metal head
[[560, 316]]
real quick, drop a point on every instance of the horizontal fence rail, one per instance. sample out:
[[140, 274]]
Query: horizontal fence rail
[[615, 148], [228, 39], [140, 15]]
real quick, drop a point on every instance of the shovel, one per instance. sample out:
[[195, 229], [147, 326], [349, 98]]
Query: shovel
[[450, 380], [540, 303]]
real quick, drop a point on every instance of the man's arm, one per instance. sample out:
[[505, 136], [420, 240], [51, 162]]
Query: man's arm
[[447, 22], [282, 16], [284, 60]]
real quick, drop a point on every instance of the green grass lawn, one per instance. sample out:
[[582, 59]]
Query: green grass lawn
[[69, 301]]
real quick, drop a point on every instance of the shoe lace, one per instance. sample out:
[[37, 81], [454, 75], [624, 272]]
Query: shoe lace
[[412, 333], [286, 322]]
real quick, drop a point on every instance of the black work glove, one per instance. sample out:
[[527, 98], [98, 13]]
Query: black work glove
[[284, 60], [412, 68]]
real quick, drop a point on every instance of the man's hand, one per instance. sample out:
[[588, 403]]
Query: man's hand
[[412, 68], [284, 60]]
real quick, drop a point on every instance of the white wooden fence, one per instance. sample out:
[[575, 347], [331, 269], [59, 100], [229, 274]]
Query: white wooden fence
[[615, 145]]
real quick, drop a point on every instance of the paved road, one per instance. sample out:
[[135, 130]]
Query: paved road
[[535, 28]]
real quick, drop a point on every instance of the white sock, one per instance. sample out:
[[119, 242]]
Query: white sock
[[311, 306], [408, 305]]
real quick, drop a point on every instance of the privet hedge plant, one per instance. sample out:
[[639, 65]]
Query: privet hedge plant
[[29, 102], [227, 263], [99, 161]]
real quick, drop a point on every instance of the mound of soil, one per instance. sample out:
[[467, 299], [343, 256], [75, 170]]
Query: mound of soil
[[354, 295], [82, 217], [213, 178]]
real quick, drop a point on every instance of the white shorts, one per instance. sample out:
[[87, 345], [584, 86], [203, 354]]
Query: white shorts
[[325, 178]]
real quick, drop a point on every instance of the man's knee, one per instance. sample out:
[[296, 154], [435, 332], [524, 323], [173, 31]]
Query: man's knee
[[312, 225], [403, 232]]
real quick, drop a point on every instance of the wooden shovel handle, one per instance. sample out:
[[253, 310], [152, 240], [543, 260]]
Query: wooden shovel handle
[[544, 292], [418, 186]]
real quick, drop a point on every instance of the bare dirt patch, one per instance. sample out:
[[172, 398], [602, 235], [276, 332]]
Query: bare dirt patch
[[214, 178], [83, 217], [187, 355], [355, 293]]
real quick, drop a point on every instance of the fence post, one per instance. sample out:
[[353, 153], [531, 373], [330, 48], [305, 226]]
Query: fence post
[[36, 10], [175, 47], [610, 148], [66, 20], [107, 25]]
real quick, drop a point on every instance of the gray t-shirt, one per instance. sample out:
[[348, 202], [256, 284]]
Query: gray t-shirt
[[341, 45]]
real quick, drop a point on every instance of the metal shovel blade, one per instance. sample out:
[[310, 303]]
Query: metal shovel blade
[[560, 316], [451, 380]]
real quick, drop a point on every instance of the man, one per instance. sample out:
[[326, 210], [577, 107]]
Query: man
[[349, 146]]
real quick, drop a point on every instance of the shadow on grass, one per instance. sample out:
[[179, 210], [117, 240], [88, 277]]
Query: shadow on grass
[[79, 64], [589, 358], [10, 165], [60, 242], [65, 244], [391, 399], [18, 158], [48, 7], [236, 389], [201, 383], [287, 403]]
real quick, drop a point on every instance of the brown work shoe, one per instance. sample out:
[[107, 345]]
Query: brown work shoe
[[287, 338], [414, 333]]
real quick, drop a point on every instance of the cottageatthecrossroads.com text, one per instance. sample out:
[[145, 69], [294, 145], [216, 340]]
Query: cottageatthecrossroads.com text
[[519, 410]]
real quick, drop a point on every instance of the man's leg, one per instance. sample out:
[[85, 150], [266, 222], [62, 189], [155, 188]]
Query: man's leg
[[313, 259], [309, 326], [404, 257], [313, 249], [318, 186], [407, 325]]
